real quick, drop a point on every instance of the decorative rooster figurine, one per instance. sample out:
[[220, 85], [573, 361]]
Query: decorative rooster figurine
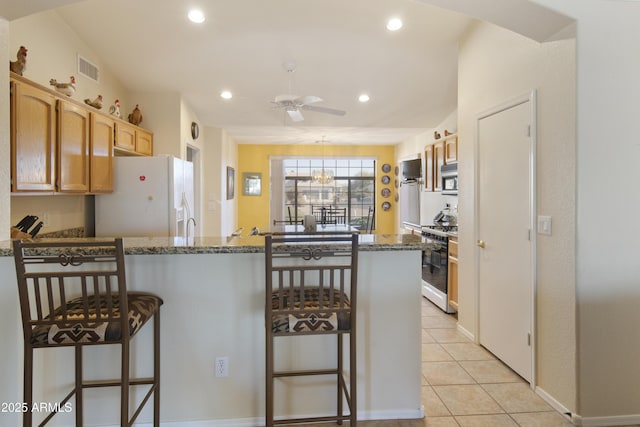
[[65, 88], [114, 110], [96, 103], [136, 116], [20, 64]]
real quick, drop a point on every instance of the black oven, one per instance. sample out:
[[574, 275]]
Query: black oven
[[435, 266]]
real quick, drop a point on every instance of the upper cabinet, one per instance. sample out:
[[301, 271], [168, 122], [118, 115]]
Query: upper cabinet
[[451, 150], [33, 139], [73, 148], [61, 145], [101, 154], [441, 152], [132, 140]]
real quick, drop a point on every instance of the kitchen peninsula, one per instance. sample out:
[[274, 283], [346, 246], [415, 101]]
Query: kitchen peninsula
[[213, 291]]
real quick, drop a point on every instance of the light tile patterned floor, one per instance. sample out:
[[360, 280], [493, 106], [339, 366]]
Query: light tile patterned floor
[[464, 385]]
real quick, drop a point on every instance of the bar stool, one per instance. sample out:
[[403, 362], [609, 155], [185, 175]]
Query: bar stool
[[65, 304], [311, 285]]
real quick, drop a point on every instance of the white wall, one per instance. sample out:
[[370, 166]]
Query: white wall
[[496, 66], [219, 214], [52, 53], [5, 143], [608, 173]]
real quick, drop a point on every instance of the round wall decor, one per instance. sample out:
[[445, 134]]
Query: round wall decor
[[386, 168], [195, 130], [386, 206], [386, 179]]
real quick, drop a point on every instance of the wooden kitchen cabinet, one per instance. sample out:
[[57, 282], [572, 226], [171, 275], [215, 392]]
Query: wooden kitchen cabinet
[[33, 138], [451, 150], [452, 276], [144, 142], [73, 148], [438, 161], [132, 140], [125, 137], [101, 154], [428, 168]]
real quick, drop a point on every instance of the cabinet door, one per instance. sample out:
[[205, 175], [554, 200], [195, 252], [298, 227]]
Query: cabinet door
[[73, 148], [438, 161], [144, 142], [451, 150], [101, 155], [33, 124], [428, 168], [125, 137]]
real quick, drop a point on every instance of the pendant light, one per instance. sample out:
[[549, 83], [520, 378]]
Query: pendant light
[[322, 176]]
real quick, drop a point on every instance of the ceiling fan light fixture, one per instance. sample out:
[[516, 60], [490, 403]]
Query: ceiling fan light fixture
[[394, 24], [196, 16], [364, 98], [225, 94]]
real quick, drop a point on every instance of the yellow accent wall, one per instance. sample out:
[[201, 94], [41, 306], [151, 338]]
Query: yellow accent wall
[[254, 210]]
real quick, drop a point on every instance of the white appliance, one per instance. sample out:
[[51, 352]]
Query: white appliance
[[410, 202], [153, 196]]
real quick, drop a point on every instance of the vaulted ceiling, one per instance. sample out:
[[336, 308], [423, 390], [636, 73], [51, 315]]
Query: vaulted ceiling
[[341, 49]]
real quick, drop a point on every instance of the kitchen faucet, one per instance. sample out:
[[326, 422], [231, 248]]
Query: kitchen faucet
[[194, 226]]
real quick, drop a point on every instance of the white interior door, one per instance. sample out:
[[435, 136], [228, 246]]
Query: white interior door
[[505, 233]]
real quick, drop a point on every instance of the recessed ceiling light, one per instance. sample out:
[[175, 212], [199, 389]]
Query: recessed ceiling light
[[394, 24], [364, 98], [196, 16], [226, 94]]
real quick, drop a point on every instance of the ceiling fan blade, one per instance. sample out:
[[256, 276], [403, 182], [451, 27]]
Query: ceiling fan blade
[[309, 99], [295, 115], [324, 110], [285, 98]]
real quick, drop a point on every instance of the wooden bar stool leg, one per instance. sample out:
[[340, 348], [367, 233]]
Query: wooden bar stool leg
[[27, 416], [78, 375], [353, 378], [124, 386], [269, 381], [156, 369], [338, 378]]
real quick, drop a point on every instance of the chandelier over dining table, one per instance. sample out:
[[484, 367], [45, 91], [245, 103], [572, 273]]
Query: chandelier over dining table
[[323, 175]]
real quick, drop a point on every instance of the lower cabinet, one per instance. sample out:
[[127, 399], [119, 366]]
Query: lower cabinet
[[453, 273]]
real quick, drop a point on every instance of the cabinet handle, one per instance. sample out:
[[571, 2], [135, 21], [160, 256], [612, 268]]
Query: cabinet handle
[[480, 243]]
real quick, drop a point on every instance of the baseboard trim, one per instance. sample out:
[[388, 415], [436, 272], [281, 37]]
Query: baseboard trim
[[616, 420], [466, 333], [259, 421], [554, 404]]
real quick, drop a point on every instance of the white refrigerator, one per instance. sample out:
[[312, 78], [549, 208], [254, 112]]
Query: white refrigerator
[[153, 196]]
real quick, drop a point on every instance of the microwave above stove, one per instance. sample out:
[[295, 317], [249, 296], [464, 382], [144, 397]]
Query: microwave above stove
[[449, 174]]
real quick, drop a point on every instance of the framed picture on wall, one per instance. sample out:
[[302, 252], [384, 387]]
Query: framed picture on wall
[[251, 184], [231, 176]]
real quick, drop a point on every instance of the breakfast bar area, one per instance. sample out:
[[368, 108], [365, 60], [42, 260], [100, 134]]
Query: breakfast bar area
[[213, 292]]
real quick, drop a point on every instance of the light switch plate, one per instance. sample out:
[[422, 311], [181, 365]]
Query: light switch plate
[[544, 225]]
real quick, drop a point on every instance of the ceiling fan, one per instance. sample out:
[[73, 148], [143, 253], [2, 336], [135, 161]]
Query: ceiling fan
[[292, 104]]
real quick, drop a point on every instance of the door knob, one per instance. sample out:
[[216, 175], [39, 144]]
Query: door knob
[[480, 243]]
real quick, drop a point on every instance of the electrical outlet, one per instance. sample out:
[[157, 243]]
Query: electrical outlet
[[222, 366]]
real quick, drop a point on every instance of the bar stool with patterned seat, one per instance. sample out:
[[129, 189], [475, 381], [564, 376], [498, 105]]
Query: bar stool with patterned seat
[[75, 294], [311, 285]]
